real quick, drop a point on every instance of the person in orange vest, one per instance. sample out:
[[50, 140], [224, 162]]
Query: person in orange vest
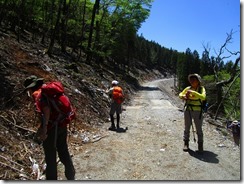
[[117, 97]]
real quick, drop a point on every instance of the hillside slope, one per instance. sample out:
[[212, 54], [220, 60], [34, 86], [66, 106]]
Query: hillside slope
[[84, 84]]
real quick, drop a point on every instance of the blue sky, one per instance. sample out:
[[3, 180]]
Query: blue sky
[[182, 24]]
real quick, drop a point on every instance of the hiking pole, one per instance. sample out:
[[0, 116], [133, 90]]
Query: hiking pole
[[192, 127], [57, 162], [55, 136], [193, 132]]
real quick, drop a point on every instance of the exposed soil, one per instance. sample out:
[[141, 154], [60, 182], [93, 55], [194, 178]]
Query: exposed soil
[[84, 84]]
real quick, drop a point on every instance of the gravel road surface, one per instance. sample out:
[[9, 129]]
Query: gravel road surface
[[151, 148]]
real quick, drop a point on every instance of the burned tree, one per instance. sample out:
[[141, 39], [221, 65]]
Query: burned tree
[[234, 73]]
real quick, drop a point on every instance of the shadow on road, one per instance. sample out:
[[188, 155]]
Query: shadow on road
[[121, 130], [147, 88], [206, 156]]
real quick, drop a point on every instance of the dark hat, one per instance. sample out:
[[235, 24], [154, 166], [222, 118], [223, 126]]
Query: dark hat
[[196, 76], [31, 81]]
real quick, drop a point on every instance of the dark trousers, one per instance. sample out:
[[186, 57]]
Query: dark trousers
[[115, 108], [51, 150]]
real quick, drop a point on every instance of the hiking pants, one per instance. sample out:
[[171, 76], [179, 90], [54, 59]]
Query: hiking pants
[[63, 153], [115, 107], [189, 116]]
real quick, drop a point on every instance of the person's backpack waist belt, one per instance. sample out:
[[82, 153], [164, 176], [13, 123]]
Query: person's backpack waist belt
[[192, 107]]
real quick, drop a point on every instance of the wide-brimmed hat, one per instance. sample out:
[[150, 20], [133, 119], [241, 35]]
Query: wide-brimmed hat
[[235, 122], [31, 81], [114, 82], [196, 76]]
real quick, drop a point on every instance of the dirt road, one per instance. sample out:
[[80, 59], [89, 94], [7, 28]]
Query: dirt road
[[151, 148]]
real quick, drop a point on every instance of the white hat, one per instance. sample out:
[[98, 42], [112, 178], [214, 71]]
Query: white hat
[[114, 82], [195, 75], [235, 122]]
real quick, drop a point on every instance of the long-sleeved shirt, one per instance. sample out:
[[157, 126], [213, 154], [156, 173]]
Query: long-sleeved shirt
[[195, 98]]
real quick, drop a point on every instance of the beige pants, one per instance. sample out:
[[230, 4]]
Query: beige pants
[[195, 116]]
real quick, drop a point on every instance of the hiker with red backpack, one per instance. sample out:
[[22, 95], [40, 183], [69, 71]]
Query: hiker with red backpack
[[194, 95], [55, 113], [117, 97]]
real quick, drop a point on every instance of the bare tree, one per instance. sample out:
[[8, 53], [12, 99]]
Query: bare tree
[[219, 85], [235, 71]]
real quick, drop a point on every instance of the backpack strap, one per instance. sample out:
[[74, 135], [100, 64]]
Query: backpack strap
[[200, 91], [191, 105], [61, 115]]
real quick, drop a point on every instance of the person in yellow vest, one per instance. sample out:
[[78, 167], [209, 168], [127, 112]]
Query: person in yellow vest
[[193, 96], [117, 97]]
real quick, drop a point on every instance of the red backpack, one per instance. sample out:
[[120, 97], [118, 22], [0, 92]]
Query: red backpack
[[118, 95], [60, 104]]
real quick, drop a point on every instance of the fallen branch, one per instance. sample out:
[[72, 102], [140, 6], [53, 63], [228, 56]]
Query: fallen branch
[[7, 159], [25, 129], [98, 139], [216, 124], [26, 149], [5, 165], [17, 126]]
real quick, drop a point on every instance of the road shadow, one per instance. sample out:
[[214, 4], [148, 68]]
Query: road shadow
[[147, 88], [121, 130], [205, 156]]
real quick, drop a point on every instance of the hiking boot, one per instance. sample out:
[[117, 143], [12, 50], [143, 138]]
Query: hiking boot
[[112, 128], [186, 146], [200, 147]]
